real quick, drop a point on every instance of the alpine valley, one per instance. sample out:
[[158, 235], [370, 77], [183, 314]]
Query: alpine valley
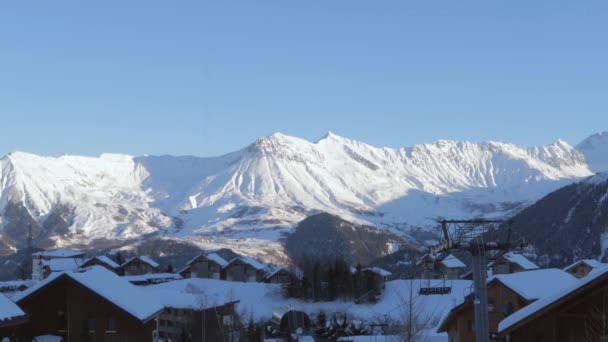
[[251, 199]]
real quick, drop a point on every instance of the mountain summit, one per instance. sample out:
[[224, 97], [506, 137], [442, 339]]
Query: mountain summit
[[595, 149], [270, 185]]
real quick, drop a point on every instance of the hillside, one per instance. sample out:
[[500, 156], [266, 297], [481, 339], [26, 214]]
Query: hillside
[[568, 224]]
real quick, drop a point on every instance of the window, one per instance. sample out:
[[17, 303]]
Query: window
[[227, 320], [90, 324], [111, 325]]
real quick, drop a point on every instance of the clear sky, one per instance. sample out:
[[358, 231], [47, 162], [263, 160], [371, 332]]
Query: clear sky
[[208, 77]]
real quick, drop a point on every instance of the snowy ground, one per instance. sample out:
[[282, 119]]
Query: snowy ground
[[259, 299]]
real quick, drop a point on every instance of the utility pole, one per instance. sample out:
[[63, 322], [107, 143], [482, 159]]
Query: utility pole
[[470, 238]]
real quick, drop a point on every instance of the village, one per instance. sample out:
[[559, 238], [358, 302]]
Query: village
[[72, 296]]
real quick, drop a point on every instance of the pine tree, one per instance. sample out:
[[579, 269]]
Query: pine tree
[[118, 258], [321, 326], [25, 268]]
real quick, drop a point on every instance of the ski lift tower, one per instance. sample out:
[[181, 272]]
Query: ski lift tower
[[476, 237]]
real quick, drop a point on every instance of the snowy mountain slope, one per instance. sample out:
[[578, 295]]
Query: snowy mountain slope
[[595, 150], [274, 183], [568, 224]]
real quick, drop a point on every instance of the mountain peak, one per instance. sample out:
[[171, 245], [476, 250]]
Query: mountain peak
[[595, 150]]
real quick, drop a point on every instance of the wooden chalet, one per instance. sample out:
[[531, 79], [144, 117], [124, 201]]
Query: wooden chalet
[[283, 275], [189, 318], [91, 305], [581, 268], [245, 269], [103, 261], [511, 263], [11, 318], [507, 294], [441, 267], [369, 283], [204, 266], [43, 264], [575, 313], [139, 265]]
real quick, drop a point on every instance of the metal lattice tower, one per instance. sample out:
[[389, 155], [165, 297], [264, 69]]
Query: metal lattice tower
[[478, 238]]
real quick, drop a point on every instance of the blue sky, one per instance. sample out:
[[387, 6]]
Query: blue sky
[[205, 78]]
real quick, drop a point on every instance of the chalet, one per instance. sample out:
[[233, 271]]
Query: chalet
[[11, 317], [204, 266], [244, 269], [507, 293], [581, 268], [139, 265], [437, 267], [188, 317], [103, 261], [42, 266], [58, 265], [190, 312], [93, 304], [283, 275], [576, 313], [511, 263]]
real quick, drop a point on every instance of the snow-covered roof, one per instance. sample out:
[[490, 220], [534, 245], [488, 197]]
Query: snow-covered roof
[[178, 300], [451, 261], [551, 299], [532, 285], [154, 277], [103, 259], [274, 269], [590, 262], [218, 259], [109, 286], [9, 310], [59, 253], [211, 256], [379, 271], [12, 285], [143, 259], [252, 262], [63, 264], [520, 260]]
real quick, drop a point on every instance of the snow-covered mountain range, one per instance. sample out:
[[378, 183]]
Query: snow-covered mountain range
[[268, 186]]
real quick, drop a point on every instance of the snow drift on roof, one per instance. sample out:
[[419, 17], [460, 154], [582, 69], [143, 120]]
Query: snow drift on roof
[[452, 262], [152, 277], [532, 285], [378, 270], [8, 309], [531, 309], [143, 259], [520, 260], [218, 259], [109, 286], [591, 262], [63, 264], [252, 262], [104, 259]]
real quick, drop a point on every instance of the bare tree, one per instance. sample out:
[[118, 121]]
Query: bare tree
[[415, 320]]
